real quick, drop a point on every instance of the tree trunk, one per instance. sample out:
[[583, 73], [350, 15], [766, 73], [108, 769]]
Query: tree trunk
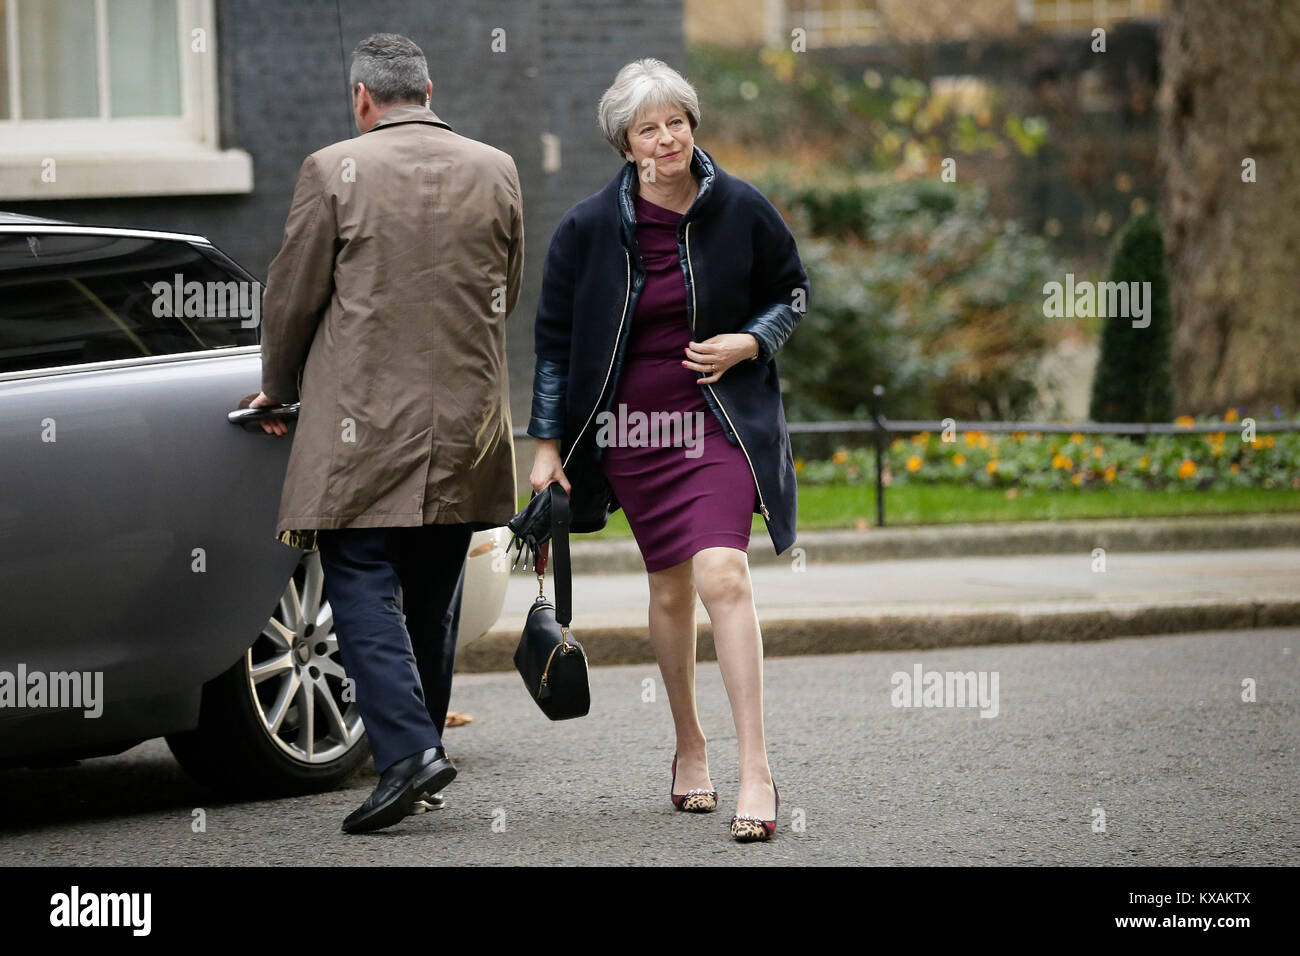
[[1231, 92]]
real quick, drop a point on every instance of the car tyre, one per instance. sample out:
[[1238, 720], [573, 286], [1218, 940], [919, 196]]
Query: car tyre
[[282, 720]]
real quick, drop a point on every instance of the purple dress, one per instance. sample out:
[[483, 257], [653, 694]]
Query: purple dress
[[685, 488]]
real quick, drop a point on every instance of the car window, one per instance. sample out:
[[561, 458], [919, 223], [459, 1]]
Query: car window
[[71, 299]]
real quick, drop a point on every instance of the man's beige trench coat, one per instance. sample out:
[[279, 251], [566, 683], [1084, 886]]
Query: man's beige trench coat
[[385, 314]]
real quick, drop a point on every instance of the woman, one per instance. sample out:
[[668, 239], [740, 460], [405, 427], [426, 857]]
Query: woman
[[664, 298]]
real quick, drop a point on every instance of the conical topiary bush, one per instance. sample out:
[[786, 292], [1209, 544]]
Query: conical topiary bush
[[1132, 382]]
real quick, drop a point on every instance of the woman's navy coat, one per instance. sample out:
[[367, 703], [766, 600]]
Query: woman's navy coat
[[742, 274]]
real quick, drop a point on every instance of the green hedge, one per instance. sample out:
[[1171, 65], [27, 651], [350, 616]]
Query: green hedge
[[939, 301]]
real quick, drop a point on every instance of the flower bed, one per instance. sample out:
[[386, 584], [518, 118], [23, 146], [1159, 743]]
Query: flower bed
[[1034, 460]]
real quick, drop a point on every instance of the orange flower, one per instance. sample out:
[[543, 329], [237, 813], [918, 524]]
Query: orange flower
[[1097, 451], [971, 438], [992, 466], [1184, 421], [798, 465], [1268, 441], [914, 463], [984, 441], [896, 444], [1230, 415], [1187, 468], [1076, 438], [1234, 468], [1110, 473], [1077, 478], [840, 457], [1144, 461], [959, 459]]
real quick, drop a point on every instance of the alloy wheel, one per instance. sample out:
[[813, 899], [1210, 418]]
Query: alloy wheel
[[295, 674]]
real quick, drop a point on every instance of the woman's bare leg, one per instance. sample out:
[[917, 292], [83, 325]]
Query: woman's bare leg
[[722, 578], [672, 634]]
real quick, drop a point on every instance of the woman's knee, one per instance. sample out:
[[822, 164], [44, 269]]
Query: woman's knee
[[673, 588], [722, 576]]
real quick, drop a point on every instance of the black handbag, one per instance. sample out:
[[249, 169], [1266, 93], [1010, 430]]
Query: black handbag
[[552, 664]]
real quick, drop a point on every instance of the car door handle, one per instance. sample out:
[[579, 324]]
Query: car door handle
[[249, 416]]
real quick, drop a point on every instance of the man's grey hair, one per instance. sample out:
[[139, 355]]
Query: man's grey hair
[[639, 87], [392, 67]]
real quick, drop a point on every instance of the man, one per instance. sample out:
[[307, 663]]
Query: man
[[385, 315]]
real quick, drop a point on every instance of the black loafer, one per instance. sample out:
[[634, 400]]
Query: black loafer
[[399, 787]]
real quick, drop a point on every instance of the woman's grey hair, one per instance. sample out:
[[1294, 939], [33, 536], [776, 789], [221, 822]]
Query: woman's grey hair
[[392, 67], [641, 86]]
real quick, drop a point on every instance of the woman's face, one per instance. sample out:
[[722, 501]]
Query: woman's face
[[663, 137]]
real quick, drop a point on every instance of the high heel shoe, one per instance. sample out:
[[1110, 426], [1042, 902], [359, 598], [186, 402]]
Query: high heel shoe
[[747, 828], [692, 801]]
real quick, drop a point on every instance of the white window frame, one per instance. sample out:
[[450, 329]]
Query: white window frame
[[1075, 12], [97, 157], [854, 26]]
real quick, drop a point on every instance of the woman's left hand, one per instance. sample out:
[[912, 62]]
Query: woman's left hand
[[715, 355]]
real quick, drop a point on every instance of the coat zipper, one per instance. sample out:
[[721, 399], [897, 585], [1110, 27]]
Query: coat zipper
[[626, 298], [761, 507]]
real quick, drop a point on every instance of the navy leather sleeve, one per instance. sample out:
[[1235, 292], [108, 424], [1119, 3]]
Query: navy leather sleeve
[[782, 284], [771, 328], [550, 381]]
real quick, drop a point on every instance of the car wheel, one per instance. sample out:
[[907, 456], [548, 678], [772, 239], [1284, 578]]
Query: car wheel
[[283, 719]]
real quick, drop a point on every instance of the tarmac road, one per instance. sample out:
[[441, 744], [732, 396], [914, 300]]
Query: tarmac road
[[1152, 731]]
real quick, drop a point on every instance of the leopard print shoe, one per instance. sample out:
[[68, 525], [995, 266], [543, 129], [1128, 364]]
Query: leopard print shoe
[[746, 828], [692, 801]]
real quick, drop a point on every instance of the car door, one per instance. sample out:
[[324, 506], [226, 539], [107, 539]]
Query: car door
[[136, 523]]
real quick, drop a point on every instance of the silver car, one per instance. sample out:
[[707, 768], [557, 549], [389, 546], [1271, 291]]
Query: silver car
[[137, 548]]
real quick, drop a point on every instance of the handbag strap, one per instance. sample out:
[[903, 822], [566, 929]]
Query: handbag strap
[[563, 569]]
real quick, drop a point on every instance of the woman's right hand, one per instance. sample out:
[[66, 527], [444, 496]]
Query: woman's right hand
[[547, 466]]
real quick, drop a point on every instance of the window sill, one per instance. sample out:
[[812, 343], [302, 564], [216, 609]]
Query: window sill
[[109, 174]]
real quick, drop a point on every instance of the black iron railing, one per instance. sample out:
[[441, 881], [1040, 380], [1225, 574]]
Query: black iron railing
[[881, 428]]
